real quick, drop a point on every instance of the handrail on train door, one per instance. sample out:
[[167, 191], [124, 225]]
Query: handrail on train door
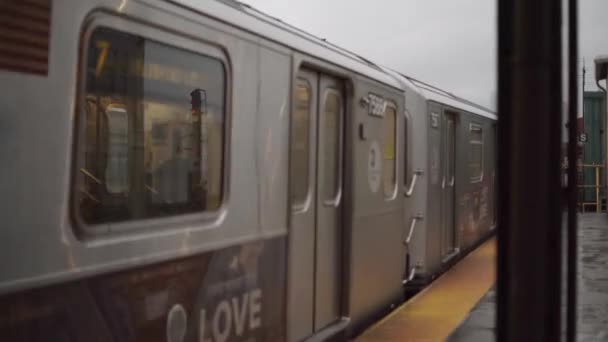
[[406, 242], [410, 190], [410, 276], [415, 219]]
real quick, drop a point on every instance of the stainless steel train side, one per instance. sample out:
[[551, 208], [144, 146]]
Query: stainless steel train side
[[199, 171], [212, 274], [455, 154], [103, 227]]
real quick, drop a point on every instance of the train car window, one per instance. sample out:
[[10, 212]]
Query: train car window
[[476, 152], [153, 141], [390, 142], [332, 115], [300, 144]]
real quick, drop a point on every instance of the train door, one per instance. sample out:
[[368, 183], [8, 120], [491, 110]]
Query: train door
[[316, 195], [448, 236]]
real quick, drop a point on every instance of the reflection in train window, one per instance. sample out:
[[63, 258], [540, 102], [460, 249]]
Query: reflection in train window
[[389, 166], [154, 130], [332, 121], [476, 153], [300, 145], [118, 147]]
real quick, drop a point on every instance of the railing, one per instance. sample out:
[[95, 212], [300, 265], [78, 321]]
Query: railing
[[415, 219], [410, 190], [410, 276], [410, 271], [597, 186]]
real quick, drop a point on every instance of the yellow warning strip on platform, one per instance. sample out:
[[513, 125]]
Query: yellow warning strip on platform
[[434, 313]]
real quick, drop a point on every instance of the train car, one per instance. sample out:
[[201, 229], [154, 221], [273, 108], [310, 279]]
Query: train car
[[450, 181], [461, 181], [199, 171]]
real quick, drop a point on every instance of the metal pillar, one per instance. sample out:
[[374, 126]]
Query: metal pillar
[[572, 191], [529, 212]]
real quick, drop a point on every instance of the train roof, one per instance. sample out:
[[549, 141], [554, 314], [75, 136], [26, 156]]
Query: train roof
[[244, 16], [433, 93], [250, 19]]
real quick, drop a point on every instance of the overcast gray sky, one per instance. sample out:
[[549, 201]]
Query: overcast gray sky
[[449, 43]]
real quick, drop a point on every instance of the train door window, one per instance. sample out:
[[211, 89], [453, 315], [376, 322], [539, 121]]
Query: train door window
[[331, 152], [476, 152], [406, 157], [153, 130], [300, 145], [390, 142]]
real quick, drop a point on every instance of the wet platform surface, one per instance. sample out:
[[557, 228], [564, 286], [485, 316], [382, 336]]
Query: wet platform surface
[[593, 278], [592, 321], [477, 324], [480, 324]]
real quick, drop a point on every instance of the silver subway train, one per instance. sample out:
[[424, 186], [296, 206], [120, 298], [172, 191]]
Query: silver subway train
[[196, 170]]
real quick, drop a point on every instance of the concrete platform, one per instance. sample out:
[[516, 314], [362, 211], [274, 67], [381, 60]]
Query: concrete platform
[[480, 324], [434, 313], [592, 322]]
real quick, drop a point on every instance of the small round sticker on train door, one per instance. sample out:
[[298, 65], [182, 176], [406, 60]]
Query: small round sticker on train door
[[374, 166]]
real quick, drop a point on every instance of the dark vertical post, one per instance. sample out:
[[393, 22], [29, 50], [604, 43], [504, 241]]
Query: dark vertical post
[[529, 116], [572, 192]]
